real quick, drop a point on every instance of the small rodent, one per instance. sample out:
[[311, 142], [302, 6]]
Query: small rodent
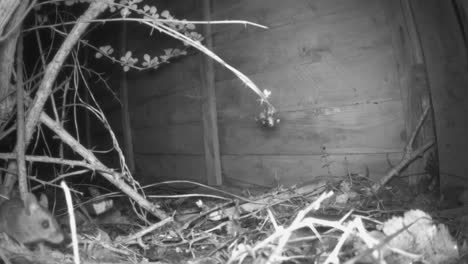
[[29, 222]]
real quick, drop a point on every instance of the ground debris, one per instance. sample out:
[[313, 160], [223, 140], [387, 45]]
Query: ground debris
[[319, 222]]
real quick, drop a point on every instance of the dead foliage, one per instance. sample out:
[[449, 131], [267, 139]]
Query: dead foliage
[[343, 222]]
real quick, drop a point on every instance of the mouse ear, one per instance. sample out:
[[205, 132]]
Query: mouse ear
[[44, 201], [30, 203]]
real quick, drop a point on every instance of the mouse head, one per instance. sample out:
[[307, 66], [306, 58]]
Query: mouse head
[[36, 223]]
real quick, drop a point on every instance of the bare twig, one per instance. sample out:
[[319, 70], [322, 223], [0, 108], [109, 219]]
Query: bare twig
[[206, 187], [7, 8], [7, 54], [53, 68], [276, 254], [246, 80], [50, 75], [20, 144], [380, 243], [146, 231], [71, 214], [115, 178], [407, 159], [284, 234], [18, 22], [3, 257], [46, 159], [409, 155], [333, 257], [160, 20], [261, 202], [409, 146]]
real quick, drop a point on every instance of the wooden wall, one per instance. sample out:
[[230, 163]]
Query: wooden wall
[[415, 91], [165, 106], [331, 67], [445, 53]]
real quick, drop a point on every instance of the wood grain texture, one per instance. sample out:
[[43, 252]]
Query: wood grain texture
[[337, 81], [339, 36], [174, 139], [412, 78], [177, 77], [157, 168], [330, 66], [175, 109], [127, 136], [208, 105], [366, 128], [278, 13], [7, 8], [446, 58], [333, 77], [289, 170]]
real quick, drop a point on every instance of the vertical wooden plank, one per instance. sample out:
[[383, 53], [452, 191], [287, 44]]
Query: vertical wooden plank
[[209, 115], [415, 46], [419, 97], [412, 73], [126, 128], [445, 58], [461, 11]]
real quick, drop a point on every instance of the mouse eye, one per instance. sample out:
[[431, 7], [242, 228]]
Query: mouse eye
[[45, 224]]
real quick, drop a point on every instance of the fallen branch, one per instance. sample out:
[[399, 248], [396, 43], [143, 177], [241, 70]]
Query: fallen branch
[[256, 205], [20, 126], [7, 54], [36, 111], [145, 231], [53, 68], [409, 146], [50, 75], [407, 159], [409, 155], [46, 159], [295, 225], [115, 178]]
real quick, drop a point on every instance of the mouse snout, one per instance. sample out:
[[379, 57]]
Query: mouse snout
[[56, 237]]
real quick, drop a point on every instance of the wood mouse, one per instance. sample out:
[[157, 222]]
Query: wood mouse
[[29, 222]]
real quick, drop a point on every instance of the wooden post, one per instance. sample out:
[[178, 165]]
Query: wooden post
[[445, 55], [126, 127], [414, 85], [209, 114]]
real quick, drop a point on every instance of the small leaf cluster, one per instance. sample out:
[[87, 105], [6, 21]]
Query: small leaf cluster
[[268, 117], [151, 14]]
